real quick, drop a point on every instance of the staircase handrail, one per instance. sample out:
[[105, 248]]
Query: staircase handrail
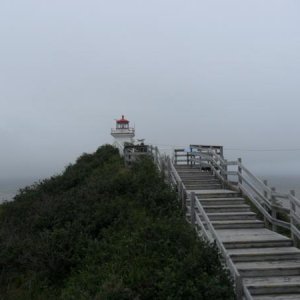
[[257, 191], [231, 266], [262, 196]]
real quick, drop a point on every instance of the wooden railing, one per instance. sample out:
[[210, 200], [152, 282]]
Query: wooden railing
[[236, 176], [202, 221], [198, 216]]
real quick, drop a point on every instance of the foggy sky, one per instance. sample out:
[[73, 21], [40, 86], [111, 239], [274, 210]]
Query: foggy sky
[[201, 72]]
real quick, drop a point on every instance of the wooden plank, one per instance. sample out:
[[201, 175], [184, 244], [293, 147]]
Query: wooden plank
[[260, 182]]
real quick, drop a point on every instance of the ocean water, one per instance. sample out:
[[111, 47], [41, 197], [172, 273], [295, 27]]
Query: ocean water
[[10, 187], [283, 184]]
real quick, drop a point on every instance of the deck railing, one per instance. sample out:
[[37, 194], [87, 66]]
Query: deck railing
[[278, 210], [198, 216], [237, 177]]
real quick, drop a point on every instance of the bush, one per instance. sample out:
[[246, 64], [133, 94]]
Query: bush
[[101, 231]]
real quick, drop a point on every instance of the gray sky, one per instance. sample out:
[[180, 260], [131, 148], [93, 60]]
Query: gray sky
[[205, 72]]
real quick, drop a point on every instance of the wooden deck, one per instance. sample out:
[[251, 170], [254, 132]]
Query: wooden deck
[[267, 262]]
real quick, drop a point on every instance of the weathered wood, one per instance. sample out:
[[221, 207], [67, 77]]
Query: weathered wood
[[265, 182], [240, 178], [274, 212], [266, 202], [254, 237], [253, 177], [193, 208], [183, 195], [230, 264], [293, 219]]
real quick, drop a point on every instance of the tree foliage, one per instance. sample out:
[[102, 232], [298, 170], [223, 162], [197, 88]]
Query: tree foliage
[[101, 231]]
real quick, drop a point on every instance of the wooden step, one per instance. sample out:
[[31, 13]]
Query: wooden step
[[258, 244], [205, 187], [227, 208], [197, 177], [277, 297], [221, 201], [264, 254], [200, 181], [273, 285], [269, 268], [266, 260], [193, 172], [252, 238], [220, 193], [224, 216], [238, 224], [204, 182]]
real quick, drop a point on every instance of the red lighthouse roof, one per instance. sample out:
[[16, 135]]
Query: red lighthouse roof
[[122, 121]]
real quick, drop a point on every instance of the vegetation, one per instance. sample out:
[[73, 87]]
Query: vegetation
[[101, 231]]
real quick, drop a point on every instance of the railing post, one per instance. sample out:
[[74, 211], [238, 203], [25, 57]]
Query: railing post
[[239, 287], [240, 170], [181, 195], [163, 163], [187, 157], [169, 170], [193, 208], [225, 168], [292, 212], [274, 213], [183, 198], [156, 156], [264, 204], [179, 191]]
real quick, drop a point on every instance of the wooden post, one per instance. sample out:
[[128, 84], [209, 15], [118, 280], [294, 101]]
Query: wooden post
[[225, 167], [240, 170], [163, 163], [264, 204], [211, 156], [187, 158], [179, 191], [169, 170], [222, 152], [239, 287], [200, 161], [183, 198], [191, 157], [292, 212], [193, 208], [274, 213]]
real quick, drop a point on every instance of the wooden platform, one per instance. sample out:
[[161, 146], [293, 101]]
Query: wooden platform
[[266, 260]]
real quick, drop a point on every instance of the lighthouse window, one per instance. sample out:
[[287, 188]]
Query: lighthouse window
[[122, 126]]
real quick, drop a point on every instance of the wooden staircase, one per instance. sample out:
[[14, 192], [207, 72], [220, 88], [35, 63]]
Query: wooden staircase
[[267, 261]]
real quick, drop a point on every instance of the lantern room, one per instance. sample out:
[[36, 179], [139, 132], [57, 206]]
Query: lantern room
[[122, 133], [122, 123]]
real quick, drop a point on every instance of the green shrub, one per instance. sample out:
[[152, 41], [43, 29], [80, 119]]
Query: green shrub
[[101, 231]]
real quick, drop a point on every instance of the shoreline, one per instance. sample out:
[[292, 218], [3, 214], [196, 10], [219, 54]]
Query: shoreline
[[283, 184]]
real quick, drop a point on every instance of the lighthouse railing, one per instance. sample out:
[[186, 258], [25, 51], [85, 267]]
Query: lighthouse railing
[[123, 130]]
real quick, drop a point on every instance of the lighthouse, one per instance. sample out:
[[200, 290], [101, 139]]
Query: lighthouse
[[122, 134]]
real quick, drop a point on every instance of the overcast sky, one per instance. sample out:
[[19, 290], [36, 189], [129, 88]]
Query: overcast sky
[[192, 71]]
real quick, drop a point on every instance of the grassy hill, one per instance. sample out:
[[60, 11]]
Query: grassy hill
[[101, 231]]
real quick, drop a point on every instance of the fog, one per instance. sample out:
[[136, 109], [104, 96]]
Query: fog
[[201, 72]]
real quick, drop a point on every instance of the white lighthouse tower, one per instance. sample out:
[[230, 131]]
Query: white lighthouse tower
[[122, 134]]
